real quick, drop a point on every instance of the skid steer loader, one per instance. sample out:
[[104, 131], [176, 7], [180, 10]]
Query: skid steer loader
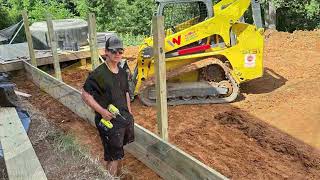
[[209, 52]]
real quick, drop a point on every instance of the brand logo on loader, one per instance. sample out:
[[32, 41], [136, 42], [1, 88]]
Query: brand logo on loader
[[177, 41]]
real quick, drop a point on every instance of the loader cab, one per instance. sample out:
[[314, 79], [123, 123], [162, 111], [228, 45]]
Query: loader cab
[[181, 14]]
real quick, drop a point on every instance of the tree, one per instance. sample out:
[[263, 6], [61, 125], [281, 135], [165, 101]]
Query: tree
[[296, 14]]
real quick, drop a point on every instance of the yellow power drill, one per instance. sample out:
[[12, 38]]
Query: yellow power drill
[[115, 112]]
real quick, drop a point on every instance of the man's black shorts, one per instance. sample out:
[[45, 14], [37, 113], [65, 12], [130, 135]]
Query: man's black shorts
[[114, 139]]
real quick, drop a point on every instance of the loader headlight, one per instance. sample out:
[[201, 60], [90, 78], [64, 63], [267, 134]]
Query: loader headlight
[[147, 52]]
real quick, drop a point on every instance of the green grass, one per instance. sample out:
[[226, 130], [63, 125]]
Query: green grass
[[67, 143], [132, 40]]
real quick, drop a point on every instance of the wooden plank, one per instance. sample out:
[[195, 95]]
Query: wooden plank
[[165, 159], [54, 44], [93, 40], [19, 93], [29, 38], [19, 155], [46, 58], [160, 74], [67, 95]]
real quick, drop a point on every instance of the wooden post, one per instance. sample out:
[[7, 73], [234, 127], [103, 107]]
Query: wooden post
[[53, 43], [93, 40], [83, 62], [160, 69], [29, 38]]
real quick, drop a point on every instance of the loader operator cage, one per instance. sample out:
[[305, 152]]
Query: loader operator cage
[[181, 14]]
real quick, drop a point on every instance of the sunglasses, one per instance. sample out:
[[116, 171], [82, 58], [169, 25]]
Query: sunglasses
[[115, 51]]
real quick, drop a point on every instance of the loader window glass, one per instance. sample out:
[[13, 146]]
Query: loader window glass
[[179, 16]]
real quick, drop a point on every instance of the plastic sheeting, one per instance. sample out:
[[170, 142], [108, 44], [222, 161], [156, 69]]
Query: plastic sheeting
[[7, 33]]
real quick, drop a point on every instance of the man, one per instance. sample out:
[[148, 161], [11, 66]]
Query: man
[[108, 84]]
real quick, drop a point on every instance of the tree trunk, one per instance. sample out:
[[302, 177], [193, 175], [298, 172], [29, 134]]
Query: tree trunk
[[270, 16]]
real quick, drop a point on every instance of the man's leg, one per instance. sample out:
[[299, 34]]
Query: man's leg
[[113, 167]]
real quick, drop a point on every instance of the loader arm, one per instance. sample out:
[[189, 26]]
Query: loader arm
[[222, 52], [219, 24]]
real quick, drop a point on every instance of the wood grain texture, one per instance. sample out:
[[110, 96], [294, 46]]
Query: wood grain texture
[[29, 38], [93, 40], [20, 157], [54, 44], [160, 74]]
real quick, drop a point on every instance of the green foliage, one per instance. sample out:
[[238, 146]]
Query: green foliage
[[40, 10], [132, 18], [131, 40], [122, 16], [5, 20], [37, 9], [139, 16], [296, 14]]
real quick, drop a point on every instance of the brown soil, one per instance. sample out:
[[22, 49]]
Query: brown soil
[[272, 131]]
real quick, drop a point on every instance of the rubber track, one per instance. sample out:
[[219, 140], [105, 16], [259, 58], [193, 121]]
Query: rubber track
[[188, 68]]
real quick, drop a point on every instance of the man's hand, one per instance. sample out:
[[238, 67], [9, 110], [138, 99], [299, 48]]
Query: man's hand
[[88, 99], [107, 115]]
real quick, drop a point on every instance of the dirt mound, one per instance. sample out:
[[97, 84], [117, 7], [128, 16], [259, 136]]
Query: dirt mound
[[131, 53], [269, 137]]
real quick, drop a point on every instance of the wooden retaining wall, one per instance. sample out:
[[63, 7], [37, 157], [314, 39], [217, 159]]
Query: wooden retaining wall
[[165, 159]]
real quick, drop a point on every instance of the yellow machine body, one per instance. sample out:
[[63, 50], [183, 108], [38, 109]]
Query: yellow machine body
[[245, 55]]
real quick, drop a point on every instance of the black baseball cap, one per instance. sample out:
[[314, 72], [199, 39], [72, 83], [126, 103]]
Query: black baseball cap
[[114, 42]]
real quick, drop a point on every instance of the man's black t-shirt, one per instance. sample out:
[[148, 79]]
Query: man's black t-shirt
[[107, 88]]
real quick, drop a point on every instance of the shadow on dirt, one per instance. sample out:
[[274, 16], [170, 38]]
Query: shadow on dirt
[[268, 83], [235, 143]]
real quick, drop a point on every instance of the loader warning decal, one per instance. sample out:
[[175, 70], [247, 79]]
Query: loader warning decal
[[170, 43], [190, 36], [250, 60]]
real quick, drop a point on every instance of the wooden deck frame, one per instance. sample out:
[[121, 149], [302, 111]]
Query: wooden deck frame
[[166, 160], [19, 155]]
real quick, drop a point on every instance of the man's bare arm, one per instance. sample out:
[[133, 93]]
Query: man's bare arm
[[90, 101], [128, 102]]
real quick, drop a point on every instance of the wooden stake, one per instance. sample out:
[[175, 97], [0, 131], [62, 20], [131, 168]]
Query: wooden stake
[[93, 40], [83, 62], [29, 38], [160, 68], [53, 43]]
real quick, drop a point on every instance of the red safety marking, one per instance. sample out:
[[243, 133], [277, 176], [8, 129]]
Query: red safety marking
[[193, 49], [250, 58]]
